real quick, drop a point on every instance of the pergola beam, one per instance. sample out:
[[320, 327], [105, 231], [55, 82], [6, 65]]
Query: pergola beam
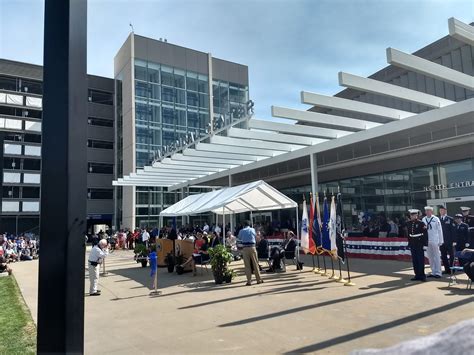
[[180, 167], [385, 89], [257, 144], [316, 118], [169, 161], [316, 132], [219, 155], [183, 158], [461, 31], [342, 104], [273, 136], [237, 151], [429, 68]]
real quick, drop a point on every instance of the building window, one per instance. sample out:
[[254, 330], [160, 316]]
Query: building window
[[30, 192], [11, 191], [8, 83], [100, 168], [93, 121], [91, 143], [31, 164], [100, 194], [11, 163], [32, 86], [101, 97], [32, 138]]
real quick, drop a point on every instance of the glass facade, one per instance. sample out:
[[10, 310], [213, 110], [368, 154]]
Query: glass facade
[[169, 103], [391, 194]]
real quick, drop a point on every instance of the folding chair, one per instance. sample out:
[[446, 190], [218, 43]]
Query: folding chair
[[453, 280]]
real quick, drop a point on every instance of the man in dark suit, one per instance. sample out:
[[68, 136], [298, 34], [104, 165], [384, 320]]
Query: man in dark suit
[[448, 225], [417, 240]]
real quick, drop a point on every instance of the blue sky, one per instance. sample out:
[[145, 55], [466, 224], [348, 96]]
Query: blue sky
[[289, 45]]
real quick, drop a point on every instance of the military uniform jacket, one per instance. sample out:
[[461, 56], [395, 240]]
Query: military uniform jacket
[[435, 231], [416, 234], [448, 225], [462, 236], [469, 220]]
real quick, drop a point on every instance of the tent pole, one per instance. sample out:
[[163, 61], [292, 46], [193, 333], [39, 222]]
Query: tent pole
[[251, 219], [223, 226]]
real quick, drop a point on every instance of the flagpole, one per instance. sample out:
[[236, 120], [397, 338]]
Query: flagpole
[[340, 278], [349, 282], [333, 275], [155, 291], [325, 272]]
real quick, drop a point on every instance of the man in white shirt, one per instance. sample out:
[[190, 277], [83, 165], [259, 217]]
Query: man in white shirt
[[435, 240], [217, 230], [205, 228], [96, 257], [145, 237]]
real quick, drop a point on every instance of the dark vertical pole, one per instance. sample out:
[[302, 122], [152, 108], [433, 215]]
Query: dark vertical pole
[[63, 179]]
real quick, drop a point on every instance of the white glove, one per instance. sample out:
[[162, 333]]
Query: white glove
[[439, 244]]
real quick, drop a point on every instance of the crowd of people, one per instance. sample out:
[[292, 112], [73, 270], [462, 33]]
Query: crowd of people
[[17, 248]]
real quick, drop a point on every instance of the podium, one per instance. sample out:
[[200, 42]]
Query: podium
[[164, 246]]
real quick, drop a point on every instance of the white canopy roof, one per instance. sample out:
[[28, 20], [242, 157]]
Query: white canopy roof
[[255, 196]]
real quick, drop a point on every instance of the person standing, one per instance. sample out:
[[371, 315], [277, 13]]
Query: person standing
[[96, 257], [448, 226], [469, 220], [417, 240], [435, 240], [145, 237], [249, 252], [461, 233]]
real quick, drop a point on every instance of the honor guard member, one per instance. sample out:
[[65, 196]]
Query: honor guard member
[[435, 240], [461, 235], [417, 240], [448, 225], [469, 220], [96, 257]]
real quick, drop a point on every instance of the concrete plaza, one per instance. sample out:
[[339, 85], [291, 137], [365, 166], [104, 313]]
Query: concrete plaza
[[290, 312]]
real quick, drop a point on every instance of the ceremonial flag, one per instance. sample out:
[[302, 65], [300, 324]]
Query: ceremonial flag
[[312, 245], [340, 228], [333, 227], [304, 229], [326, 241], [317, 228]]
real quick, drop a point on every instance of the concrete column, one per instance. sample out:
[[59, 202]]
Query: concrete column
[[232, 216], [314, 173]]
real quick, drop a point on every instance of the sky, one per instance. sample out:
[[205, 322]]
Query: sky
[[288, 45]]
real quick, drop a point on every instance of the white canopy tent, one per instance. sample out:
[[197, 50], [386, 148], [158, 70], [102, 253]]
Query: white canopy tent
[[255, 196]]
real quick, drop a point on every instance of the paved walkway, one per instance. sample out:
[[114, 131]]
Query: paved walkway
[[291, 312]]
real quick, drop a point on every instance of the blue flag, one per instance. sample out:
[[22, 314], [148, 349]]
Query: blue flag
[[316, 233], [326, 241]]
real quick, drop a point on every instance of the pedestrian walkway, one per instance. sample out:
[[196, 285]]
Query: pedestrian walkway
[[292, 311]]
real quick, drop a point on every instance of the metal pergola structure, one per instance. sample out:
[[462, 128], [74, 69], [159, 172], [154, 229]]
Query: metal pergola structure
[[235, 150]]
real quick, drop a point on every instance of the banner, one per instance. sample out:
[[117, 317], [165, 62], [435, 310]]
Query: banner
[[304, 229]]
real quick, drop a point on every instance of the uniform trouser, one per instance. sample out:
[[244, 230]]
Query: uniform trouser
[[447, 250], [418, 260], [93, 277], [434, 256], [250, 258]]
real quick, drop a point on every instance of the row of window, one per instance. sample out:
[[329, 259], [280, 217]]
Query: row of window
[[22, 137], [19, 124], [94, 143], [21, 164], [20, 149], [20, 206], [102, 122], [171, 95], [20, 192], [21, 100], [21, 178], [20, 112], [100, 194], [100, 168], [100, 97], [19, 84]]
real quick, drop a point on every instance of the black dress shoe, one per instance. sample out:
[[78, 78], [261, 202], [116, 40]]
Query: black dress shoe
[[437, 276], [414, 279], [95, 294], [431, 275]]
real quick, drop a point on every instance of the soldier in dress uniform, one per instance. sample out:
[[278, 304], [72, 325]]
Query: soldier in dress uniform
[[435, 240], [461, 237], [469, 220], [417, 240], [448, 225]]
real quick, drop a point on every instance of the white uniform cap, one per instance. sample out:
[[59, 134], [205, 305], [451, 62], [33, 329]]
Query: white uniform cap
[[413, 211], [428, 208], [464, 209]]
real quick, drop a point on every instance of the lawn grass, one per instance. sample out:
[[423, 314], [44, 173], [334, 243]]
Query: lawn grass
[[17, 330]]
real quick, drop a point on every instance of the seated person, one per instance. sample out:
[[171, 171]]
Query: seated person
[[290, 246], [11, 255], [214, 240], [231, 241], [262, 246], [4, 266], [200, 254], [25, 255], [466, 259]]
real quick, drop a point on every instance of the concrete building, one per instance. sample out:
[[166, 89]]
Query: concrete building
[[21, 93], [402, 138], [164, 92]]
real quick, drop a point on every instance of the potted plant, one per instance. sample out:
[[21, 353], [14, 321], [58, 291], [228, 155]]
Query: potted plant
[[170, 261], [219, 259], [229, 274], [141, 254]]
